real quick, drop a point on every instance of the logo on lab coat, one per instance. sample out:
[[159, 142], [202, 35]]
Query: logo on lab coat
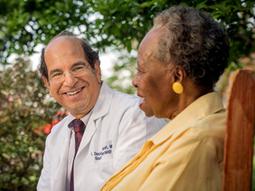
[[105, 150]]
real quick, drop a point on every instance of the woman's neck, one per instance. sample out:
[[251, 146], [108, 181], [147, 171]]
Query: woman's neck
[[190, 94]]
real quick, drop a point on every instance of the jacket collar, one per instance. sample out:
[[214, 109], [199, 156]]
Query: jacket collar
[[101, 109], [103, 103], [207, 104]]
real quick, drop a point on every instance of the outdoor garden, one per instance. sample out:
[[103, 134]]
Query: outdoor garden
[[27, 112]]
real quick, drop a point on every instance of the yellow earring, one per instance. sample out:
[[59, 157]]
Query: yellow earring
[[177, 87]]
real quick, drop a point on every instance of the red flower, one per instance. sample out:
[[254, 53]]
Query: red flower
[[47, 128]]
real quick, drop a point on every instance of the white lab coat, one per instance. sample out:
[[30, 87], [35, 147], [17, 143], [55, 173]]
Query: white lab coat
[[117, 128]]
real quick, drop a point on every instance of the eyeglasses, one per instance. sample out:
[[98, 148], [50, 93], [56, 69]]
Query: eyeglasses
[[78, 69]]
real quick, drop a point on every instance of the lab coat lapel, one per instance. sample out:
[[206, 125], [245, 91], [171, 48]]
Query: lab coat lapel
[[59, 177], [101, 109]]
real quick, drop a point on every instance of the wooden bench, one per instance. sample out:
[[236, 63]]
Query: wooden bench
[[238, 156]]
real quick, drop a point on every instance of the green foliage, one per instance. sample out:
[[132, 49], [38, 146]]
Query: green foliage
[[23, 108], [27, 23], [136, 18], [119, 23], [116, 23], [237, 17], [123, 73]]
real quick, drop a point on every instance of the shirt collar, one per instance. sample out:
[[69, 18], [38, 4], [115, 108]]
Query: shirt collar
[[203, 106], [101, 107], [103, 103], [84, 119]]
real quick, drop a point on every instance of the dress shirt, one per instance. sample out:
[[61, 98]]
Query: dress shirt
[[186, 154], [71, 150]]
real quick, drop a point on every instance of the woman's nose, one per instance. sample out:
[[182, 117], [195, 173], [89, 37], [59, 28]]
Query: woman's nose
[[134, 81]]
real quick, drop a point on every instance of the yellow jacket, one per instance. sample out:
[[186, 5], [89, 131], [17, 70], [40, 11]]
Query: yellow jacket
[[186, 155]]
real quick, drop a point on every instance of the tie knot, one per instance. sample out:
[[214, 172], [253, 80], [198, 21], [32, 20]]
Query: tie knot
[[77, 125]]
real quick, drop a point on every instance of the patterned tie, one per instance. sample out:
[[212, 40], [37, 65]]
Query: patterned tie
[[79, 128]]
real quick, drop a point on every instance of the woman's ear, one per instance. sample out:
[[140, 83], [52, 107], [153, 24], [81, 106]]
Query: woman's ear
[[179, 74]]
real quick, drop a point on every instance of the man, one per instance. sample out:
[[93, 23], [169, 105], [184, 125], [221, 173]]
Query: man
[[104, 129]]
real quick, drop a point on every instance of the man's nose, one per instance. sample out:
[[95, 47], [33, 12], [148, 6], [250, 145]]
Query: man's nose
[[69, 79]]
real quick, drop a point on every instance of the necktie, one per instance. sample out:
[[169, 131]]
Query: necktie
[[78, 127]]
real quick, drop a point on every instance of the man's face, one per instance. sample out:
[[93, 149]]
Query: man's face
[[153, 79], [72, 81]]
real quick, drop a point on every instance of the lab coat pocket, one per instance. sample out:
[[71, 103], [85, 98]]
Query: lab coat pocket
[[103, 159], [106, 168]]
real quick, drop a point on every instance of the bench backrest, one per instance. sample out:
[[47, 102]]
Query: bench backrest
[[238, 154]]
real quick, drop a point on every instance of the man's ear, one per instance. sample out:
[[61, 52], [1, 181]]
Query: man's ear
[[98, 70], [45, 82]]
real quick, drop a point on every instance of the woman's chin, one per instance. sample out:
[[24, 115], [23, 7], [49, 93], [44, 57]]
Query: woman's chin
[[146, 109]]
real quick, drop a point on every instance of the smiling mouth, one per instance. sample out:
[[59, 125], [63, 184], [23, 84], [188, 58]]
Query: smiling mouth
[[73, 93]]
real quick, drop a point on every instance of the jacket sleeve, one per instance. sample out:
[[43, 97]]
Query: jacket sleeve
[[134, 129], [44, 180], [190, 165]]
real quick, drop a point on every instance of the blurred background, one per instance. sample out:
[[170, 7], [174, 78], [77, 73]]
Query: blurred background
[[114, 28]]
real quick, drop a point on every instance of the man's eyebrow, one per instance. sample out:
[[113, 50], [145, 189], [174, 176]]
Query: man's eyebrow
[[80, 63], [55, 71]]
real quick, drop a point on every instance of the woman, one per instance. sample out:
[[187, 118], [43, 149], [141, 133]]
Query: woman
[[179, 61]]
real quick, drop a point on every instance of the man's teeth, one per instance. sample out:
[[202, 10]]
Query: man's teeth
[[72, 93]]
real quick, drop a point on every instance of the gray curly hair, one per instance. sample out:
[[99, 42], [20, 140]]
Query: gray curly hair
[[195, 42]]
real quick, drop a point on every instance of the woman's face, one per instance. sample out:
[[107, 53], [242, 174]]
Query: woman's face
[[153, 79]]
